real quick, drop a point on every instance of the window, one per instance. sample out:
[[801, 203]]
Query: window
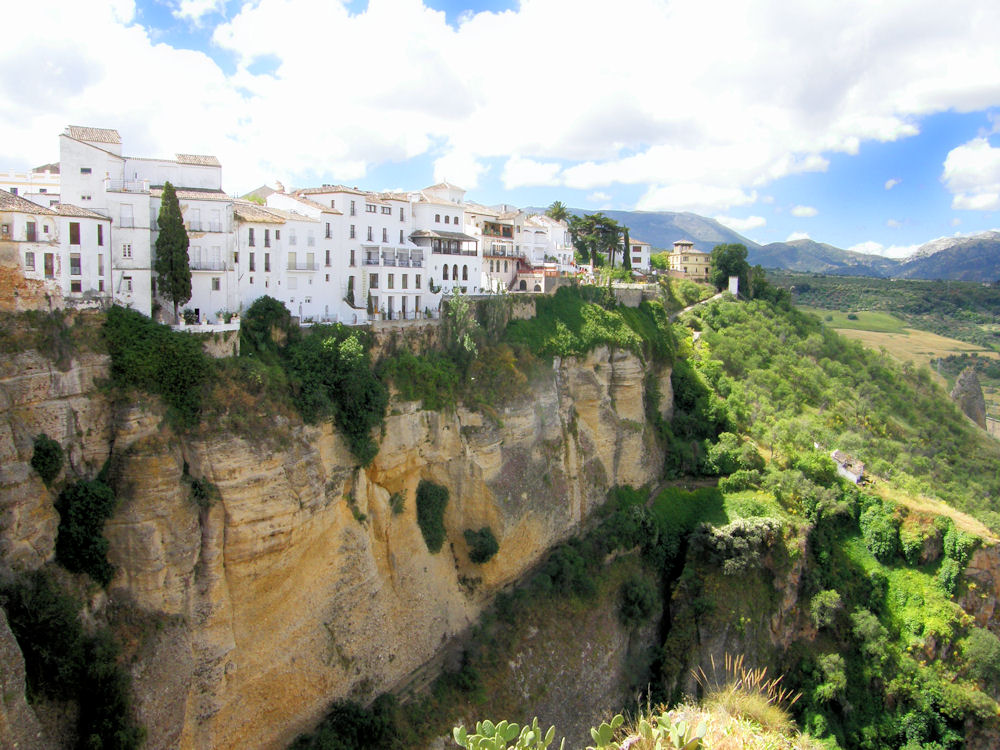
[[5, 230], [311, 262], [416, 282], [251, 279], [352, 258], [437, 218], [29, 230], [392, 281], [267, 237], [406, 280], [328, 235], [327, 277], [333, 203], [277, 234], [505, 266], [74, 264], [385, 234], [127, 250], [371, 208], [127, 284], [100, 265], [373, 280], [455, 220], [352, 209], [293, 282], [125, 217], [74, 233], [13, 191], [236, 257], [465, 273], [216, 283], [267, 262], [100, 235], [369, 234], [29, 261], [309, 300], [75, 285], [401, 214], [291, 237], [445, 271], [353, 232], [85, 170], [250, 239], [84, 198], [401, 237], [45, 229], [387, 210], [447, 219], [328, 257]]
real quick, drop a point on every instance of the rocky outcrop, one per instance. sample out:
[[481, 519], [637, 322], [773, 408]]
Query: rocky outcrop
[[19, 727], [968, 394], [301, 584]]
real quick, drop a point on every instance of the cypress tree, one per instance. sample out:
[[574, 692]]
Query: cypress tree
[[172, 265], [627, 258]]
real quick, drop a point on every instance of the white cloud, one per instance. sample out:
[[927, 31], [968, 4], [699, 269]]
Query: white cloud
[[893, 223], [598, 197], [698, 198], [972, 175], [892, 182], [797, 236], [518, 172], [956, 221], [392, 81], [195, 10], [804, 212], [877, 248], [742, 225], [459, 169]]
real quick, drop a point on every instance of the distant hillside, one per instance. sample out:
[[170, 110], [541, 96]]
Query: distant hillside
[[662, 228], [973, 258], [809, 256]]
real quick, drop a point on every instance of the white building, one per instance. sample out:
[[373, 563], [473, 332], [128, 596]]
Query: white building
[[452, 254], [64, 247], [639, 252], [40, 185]]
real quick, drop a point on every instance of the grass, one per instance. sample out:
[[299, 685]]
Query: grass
[[865, 320], [934, 507], [748, 693]]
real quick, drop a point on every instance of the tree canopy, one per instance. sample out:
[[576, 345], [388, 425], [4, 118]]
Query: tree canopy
[[172, 265], [729, 260], [558, 211], [594, 234]]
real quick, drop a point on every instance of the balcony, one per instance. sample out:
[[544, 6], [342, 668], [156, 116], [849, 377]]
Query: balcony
[[208, 265], [388, 259], [204, 226], [403, 261], [371, 260], [302, 265], [126, 186]]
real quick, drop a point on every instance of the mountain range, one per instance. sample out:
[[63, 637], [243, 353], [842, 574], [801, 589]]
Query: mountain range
[[971, 258]]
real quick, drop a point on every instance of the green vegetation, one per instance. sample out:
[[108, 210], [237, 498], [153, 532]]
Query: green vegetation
[[47, 458], [155, 359], [863, 320], [63, 662], [431, 501], [638, 600], [81, 547], [966, 311], [483, 544], [726, 261]]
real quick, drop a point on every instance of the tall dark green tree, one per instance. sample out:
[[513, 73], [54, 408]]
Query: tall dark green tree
[[172, 266], [729, 260], [627, 257]]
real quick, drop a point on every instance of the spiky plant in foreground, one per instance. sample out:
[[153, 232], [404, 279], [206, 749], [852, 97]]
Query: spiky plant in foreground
[[747, 693]]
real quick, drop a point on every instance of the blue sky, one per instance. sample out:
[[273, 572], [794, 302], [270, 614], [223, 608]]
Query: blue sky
[[865, 125]]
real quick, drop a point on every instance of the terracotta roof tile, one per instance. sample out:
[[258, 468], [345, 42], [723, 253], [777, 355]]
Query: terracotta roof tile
[[11, 202], [94, 135]]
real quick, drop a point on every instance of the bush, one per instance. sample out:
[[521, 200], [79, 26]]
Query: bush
[[431, 501], [981, 651], [155, 359], [430, 378], [880, 530], [83, 508], [740, 480], [824, 608], [397, 501], [948, 575], [638, 600], [818, 468], [47, 458], [567, 570], [350, 726], [483, 544], [959, 545]]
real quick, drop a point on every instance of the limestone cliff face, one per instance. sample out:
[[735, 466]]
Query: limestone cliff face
[[968, 394], [301, 585]]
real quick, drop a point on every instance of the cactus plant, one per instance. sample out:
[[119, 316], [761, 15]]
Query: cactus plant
[[490, 736]]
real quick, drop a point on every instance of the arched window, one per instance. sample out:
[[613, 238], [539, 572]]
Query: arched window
[[455, 220], [524, 286], [537, 288], [465, 273], [454, 272], [446, 272], [447, 219], [437, 218]]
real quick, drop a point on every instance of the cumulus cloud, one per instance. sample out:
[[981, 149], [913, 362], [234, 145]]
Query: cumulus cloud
[[972, 175], [350, 87], [519, 172], [892, 182], [460, 169], [877, 248], [804, 212], [742, 225], [797, 236], [598, 197], [893, 223]]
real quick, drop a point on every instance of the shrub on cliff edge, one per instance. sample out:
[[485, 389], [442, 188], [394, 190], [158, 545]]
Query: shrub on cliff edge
[[431, 500], [47, 458]]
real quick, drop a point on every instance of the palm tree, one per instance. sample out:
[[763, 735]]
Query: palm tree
[[558, 211]]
